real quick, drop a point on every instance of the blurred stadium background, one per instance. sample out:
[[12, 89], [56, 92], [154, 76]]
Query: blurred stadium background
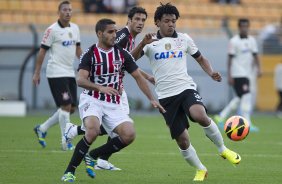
[[210, 24]]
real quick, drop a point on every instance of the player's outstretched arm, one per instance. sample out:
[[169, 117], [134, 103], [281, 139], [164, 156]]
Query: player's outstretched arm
[[38, 65], [137, 51], [204, 63], [141, 82], [148, 77]]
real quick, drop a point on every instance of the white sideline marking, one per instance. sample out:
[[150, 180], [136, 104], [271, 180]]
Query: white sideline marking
[[138, 153]]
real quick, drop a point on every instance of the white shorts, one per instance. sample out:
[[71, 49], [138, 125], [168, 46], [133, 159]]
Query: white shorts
[[110, 115], [124, 102]]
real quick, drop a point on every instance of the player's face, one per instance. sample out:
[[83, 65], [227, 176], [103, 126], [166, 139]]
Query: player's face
[[136, 24], [65, 13], [244, 28], [167, 24], [108, 37]]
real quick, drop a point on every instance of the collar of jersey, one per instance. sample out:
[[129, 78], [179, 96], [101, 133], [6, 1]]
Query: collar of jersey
[[174, 35], [61, 25]]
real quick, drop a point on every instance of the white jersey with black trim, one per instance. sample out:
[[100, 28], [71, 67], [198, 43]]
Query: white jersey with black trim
[[62, 42], [168, 58], [242, 50]]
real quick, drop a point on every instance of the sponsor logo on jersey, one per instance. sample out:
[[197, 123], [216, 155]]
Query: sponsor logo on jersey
[[168, 55], [120, 38], [68, 43]]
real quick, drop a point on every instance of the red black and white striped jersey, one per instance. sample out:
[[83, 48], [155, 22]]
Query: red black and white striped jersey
[[125, 39], [105, 67]]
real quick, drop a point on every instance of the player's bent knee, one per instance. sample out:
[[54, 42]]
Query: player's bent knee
[[128, 137]]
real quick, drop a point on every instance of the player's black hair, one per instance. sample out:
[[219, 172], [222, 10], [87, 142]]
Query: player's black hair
[[165, 9], [242, 21], [135, 10], [102, 24], [61, 4]]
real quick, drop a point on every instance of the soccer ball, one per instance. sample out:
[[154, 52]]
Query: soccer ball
[[236, 128]]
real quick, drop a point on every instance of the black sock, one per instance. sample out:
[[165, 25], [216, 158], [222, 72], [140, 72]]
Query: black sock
[[80, 131], [114, 145], [106, 156], [79, 152]]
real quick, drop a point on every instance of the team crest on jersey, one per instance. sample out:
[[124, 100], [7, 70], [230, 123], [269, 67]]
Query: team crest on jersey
[[167, 46], [70, 34], [178, 42], [117, 65]]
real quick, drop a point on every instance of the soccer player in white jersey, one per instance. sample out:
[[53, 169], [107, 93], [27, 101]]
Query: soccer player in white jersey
[[243, 69], [99, 74], [176, 90], [62, 40]]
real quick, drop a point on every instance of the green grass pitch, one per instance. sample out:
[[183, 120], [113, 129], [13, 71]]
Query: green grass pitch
[[152, 159]]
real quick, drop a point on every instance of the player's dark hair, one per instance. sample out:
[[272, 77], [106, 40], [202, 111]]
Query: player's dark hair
[[135, 10], [61, 4], [102, 24], [242, 21], [165, 9]]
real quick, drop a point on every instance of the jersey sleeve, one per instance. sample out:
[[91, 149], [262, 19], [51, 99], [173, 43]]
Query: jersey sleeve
[[191, 46], [78, 36], [48, 37], [231, 48], [121, 39], [85, 61], [254, 46], [145, 50], [129, 62]]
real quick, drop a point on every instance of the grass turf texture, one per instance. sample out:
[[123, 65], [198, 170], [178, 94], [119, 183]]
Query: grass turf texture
[[152, 158]]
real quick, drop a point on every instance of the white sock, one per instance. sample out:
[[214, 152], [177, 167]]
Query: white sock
[[231, 106], [213, 133], [51, 121], [246, 106], [64, 118], [192, 158]]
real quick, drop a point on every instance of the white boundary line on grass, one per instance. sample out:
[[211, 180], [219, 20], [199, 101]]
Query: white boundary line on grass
[[262, 155]]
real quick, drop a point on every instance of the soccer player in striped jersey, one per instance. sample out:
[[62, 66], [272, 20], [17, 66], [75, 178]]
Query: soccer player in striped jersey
[[176, 90], [99, 74], [125, 39], [62, 39]]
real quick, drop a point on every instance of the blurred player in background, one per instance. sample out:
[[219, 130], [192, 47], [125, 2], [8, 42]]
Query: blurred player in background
[[99, 73], [125, 39], [62, 40], [278, 86], [176, 90], [243, 69]]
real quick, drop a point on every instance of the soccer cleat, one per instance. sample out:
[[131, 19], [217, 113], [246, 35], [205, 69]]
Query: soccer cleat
[[105, 165], [254, 128], [68, 177], [68, 137], [200, 175], [90, 163], [233, 157], [40, 135], [66, 144]]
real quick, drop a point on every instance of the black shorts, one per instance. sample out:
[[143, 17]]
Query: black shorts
[[177, 109], [241, 86], [64, 90]]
